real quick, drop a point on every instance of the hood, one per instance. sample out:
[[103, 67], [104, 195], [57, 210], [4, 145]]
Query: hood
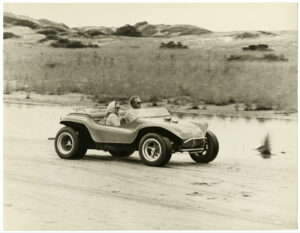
[[182, 128]]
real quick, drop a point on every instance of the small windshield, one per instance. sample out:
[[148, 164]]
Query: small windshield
[[151, 112]]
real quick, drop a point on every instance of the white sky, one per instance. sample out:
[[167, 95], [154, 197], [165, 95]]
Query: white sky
[[212, 16]]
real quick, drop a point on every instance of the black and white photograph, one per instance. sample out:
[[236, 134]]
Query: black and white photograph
[[150, 116]]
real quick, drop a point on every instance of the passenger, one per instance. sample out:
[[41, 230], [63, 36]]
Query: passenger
[[112, 114], [134, 104]]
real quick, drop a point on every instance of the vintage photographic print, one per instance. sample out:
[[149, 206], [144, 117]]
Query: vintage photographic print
[[150, 116]]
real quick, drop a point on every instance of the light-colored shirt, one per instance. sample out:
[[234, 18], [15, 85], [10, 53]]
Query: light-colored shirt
[[113, 120], [131, 114]]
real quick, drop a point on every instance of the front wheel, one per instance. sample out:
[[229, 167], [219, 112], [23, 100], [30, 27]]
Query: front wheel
[[210, 151], [155, 150], [68, 144]]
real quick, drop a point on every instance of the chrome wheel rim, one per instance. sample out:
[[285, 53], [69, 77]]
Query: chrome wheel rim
[[65, 143], [151, 149]]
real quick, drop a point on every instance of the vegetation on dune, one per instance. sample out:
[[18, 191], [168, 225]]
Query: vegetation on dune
[[24, 21], [271, 57], [50, 24], [7, 89], [147, 29], [8, 35], [141, 29], [259, 47], [274, 57], [66, 43], [20, 22], [173, 45], [213, 70], [203, 74], [48, 31], [127, 30], [253, 35], [247, 35]]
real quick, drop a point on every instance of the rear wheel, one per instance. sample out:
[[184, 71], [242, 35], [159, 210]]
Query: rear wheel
[[69, 145], [155, 150], [210, 151], [121, 153]]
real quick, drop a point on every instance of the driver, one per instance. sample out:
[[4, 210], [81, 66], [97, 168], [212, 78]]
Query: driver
[[134, 104]]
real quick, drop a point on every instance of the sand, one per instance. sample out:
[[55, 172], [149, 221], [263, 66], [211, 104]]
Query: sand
[[99, 192]]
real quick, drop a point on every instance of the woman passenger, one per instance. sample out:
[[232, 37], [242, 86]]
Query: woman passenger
[[112, 114]]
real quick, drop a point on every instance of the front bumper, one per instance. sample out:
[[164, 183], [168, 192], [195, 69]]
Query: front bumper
[[193, 145]]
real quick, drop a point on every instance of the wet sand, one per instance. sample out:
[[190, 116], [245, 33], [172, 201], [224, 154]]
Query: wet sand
[[99, 192], [85, 101]]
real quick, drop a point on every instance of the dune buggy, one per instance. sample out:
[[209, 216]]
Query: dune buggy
[[153, 133]]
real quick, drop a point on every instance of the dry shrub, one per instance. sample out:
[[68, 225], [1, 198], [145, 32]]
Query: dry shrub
[[8, 35], [127, 30], [259, 47], [274, 57], [173, 45], [266, 57], [66, 43]]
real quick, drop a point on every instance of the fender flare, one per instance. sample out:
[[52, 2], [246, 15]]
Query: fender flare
[[159, 130]]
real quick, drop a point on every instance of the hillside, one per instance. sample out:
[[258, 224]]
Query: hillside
[[164, 30], [144, 28], [10, 19]]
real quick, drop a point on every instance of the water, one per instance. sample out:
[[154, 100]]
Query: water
[[238, 137], [244, 133]]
